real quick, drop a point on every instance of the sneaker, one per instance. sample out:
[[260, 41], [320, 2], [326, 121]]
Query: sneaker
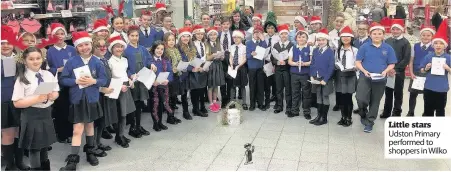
[[215, 109], [368, 129]]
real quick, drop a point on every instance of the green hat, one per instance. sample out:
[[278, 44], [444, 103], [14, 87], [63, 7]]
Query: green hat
[[271, 19]]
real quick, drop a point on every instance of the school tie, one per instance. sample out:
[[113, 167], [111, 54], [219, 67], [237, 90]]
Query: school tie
[[146, 33], [235, 57], [283, 46], [122, 36], [343, 59], [361, 42], [321, 50], [202, 53], [225, 42], [39, 76], [424, 47], [269, 44]]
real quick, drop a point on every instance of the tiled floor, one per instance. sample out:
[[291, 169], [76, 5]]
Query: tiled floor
[[281, 143]]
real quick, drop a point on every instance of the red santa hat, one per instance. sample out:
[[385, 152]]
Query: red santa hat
[[238, 33], [258, 28], [375, 26], [54, 27], [212, 30], [185, 31], [80, 37], [198, 29], [160, 7], [346, 31], [427, 28], [442, 33], [7, 33], [301, 29], [323, 33], [146, 13], [283, 28], [257, 17], [114, 39], [399, 23], [100, 24], [301, 19], [316, 19]]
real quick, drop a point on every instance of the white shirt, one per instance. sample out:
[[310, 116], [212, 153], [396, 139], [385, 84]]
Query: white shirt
[[22, 90], [363, 39], [399, 37], [274, 39], [143, 30], [351, 55], [165, 30], [241, 53], [86, 60], [199, 50], [9, 57], [249, 33], [312, 39], [229, 38], [124, 35], [334, 38], [290, 54], [60, 48], [119, 67], [421, 46]]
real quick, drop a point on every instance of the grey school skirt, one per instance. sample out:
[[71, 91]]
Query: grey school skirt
[[36, 128]]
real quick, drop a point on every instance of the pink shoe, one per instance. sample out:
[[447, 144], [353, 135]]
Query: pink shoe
[[215, 108], [212, 107], [218, 106]]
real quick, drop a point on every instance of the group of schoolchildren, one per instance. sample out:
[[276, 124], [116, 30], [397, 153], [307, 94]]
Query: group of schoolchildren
[[319, 63]]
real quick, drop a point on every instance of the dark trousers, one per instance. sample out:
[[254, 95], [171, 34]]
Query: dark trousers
[[369, 94], [412, 102], [398, 94], [256, 86], [283, 82], [301, 90], [197, 99], [270, 88], [434, 102], [225, 91], [345, 102], [185, 101], [60, 112]]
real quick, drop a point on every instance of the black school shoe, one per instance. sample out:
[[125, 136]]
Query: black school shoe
[[72, 161], [45, 165], [121, 142], [106, 135], [90, 155], [103, 147], [187, 116], [336, 108], [245, 107], [134, 132], [143, 131]]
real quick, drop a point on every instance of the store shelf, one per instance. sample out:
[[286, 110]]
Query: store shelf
[[23, 6], [94, 9], [56, 15]]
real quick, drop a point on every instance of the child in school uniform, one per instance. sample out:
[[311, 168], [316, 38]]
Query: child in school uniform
[[37, 131], [321, 70], [237, 60], [109, 106], [215, 72], [138, 57], [225, 37], [198, 77], [346, 80], [101, 28], [436, 87], [188, 53], [126, 105], [282, 71], [369, 92], [256, 74], [160, 90], [176, 87], [57, 57], [117, 23], [419, 52], [299, 59], [148, 34], [85, 107], [271, 38], [12, 154]]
